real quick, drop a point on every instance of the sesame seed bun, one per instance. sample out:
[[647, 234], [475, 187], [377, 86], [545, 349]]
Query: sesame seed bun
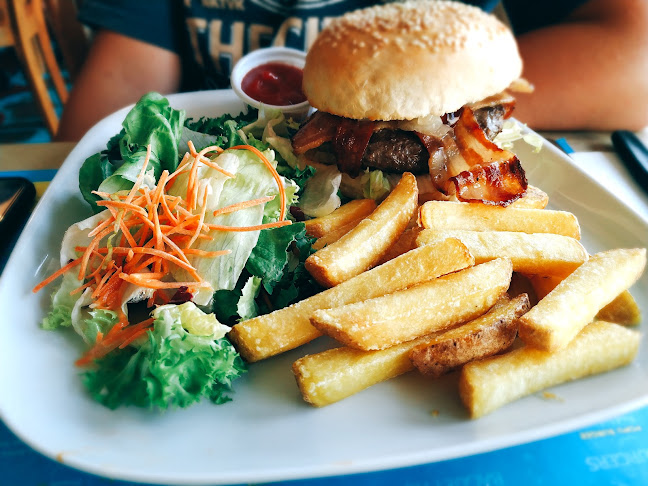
[[401, 61]]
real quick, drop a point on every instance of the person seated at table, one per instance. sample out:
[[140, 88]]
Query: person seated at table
[[588, 59]]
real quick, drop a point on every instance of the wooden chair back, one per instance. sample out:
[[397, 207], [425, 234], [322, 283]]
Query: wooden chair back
[[23, 25]]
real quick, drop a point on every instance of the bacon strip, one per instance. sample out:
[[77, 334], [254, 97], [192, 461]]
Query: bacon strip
[[498, 183], [493, 176], [350, 138], [318, 129], [350, 142]]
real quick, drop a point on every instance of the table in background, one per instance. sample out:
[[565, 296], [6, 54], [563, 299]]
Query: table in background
[[614, 452]]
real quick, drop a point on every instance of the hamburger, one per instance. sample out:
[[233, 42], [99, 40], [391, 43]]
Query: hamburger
[[416, 86]]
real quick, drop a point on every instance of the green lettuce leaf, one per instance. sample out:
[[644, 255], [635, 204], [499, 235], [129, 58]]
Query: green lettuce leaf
[[280, 264], [93, 172], [270, 257], [60, 313], [171, 368], [153, 122], [225, 129]]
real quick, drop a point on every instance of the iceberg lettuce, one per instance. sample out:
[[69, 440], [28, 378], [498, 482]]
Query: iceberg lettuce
[[252, 180]]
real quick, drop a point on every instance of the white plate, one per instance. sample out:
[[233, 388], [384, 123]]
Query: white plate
[[268, 433]]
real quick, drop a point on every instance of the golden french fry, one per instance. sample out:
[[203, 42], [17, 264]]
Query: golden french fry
[[333, 236], [575, 301], [425, 308], [338, 373], [445, 215], [405, 243], [485, 336], [353, 211], [622, 310], [543, 284], [288, 328], [362, 247], [486, 385], [533, 198], [537, 253]]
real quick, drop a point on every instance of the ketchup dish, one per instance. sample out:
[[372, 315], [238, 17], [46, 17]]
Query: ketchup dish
[[272, 77]]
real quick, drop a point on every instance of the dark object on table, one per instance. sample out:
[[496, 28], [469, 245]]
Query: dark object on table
[[634, 155], [16, 200]]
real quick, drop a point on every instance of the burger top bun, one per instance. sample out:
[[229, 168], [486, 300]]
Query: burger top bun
[[401, 61]]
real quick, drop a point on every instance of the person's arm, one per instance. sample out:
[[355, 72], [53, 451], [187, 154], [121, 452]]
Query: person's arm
[[591, 71], [117, 72]]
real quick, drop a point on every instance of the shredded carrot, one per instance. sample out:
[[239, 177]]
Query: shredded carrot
[[82, 288], [152, 283], [205, 160], [242, 205], [154, 275], [182, 167], [134, 336], [140, 177], [101, 283], [122, 205], [142, 265], [56, 274], [167, 211], [199, 226], [88, 252], [102, 226], [114, 339], [276, 224], [273, 171], [208, 254]]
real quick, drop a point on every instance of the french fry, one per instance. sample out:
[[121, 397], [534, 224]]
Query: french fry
[[351, 212], [488, 384], [485, 336], [425, 308], [362, 247], [537, 253], [288, 328], [576, 300], [405, 243], [533, 198], [622, 310], [336, 234], [446, 215], [543, 284], [338, 373]]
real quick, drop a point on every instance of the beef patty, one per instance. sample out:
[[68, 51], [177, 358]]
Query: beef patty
[[402, 151]]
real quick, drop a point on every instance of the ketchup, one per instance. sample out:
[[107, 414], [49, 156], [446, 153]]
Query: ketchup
[[274, 83]]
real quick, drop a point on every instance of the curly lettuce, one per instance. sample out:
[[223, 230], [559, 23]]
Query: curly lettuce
[[184, 359]]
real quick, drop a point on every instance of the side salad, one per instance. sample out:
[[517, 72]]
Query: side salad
[[192, 232]]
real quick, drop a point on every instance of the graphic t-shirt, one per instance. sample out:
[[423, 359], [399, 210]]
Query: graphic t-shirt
[[211, 35]]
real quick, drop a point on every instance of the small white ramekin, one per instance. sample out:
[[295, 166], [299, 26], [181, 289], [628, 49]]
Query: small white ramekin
[[258, 57]]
